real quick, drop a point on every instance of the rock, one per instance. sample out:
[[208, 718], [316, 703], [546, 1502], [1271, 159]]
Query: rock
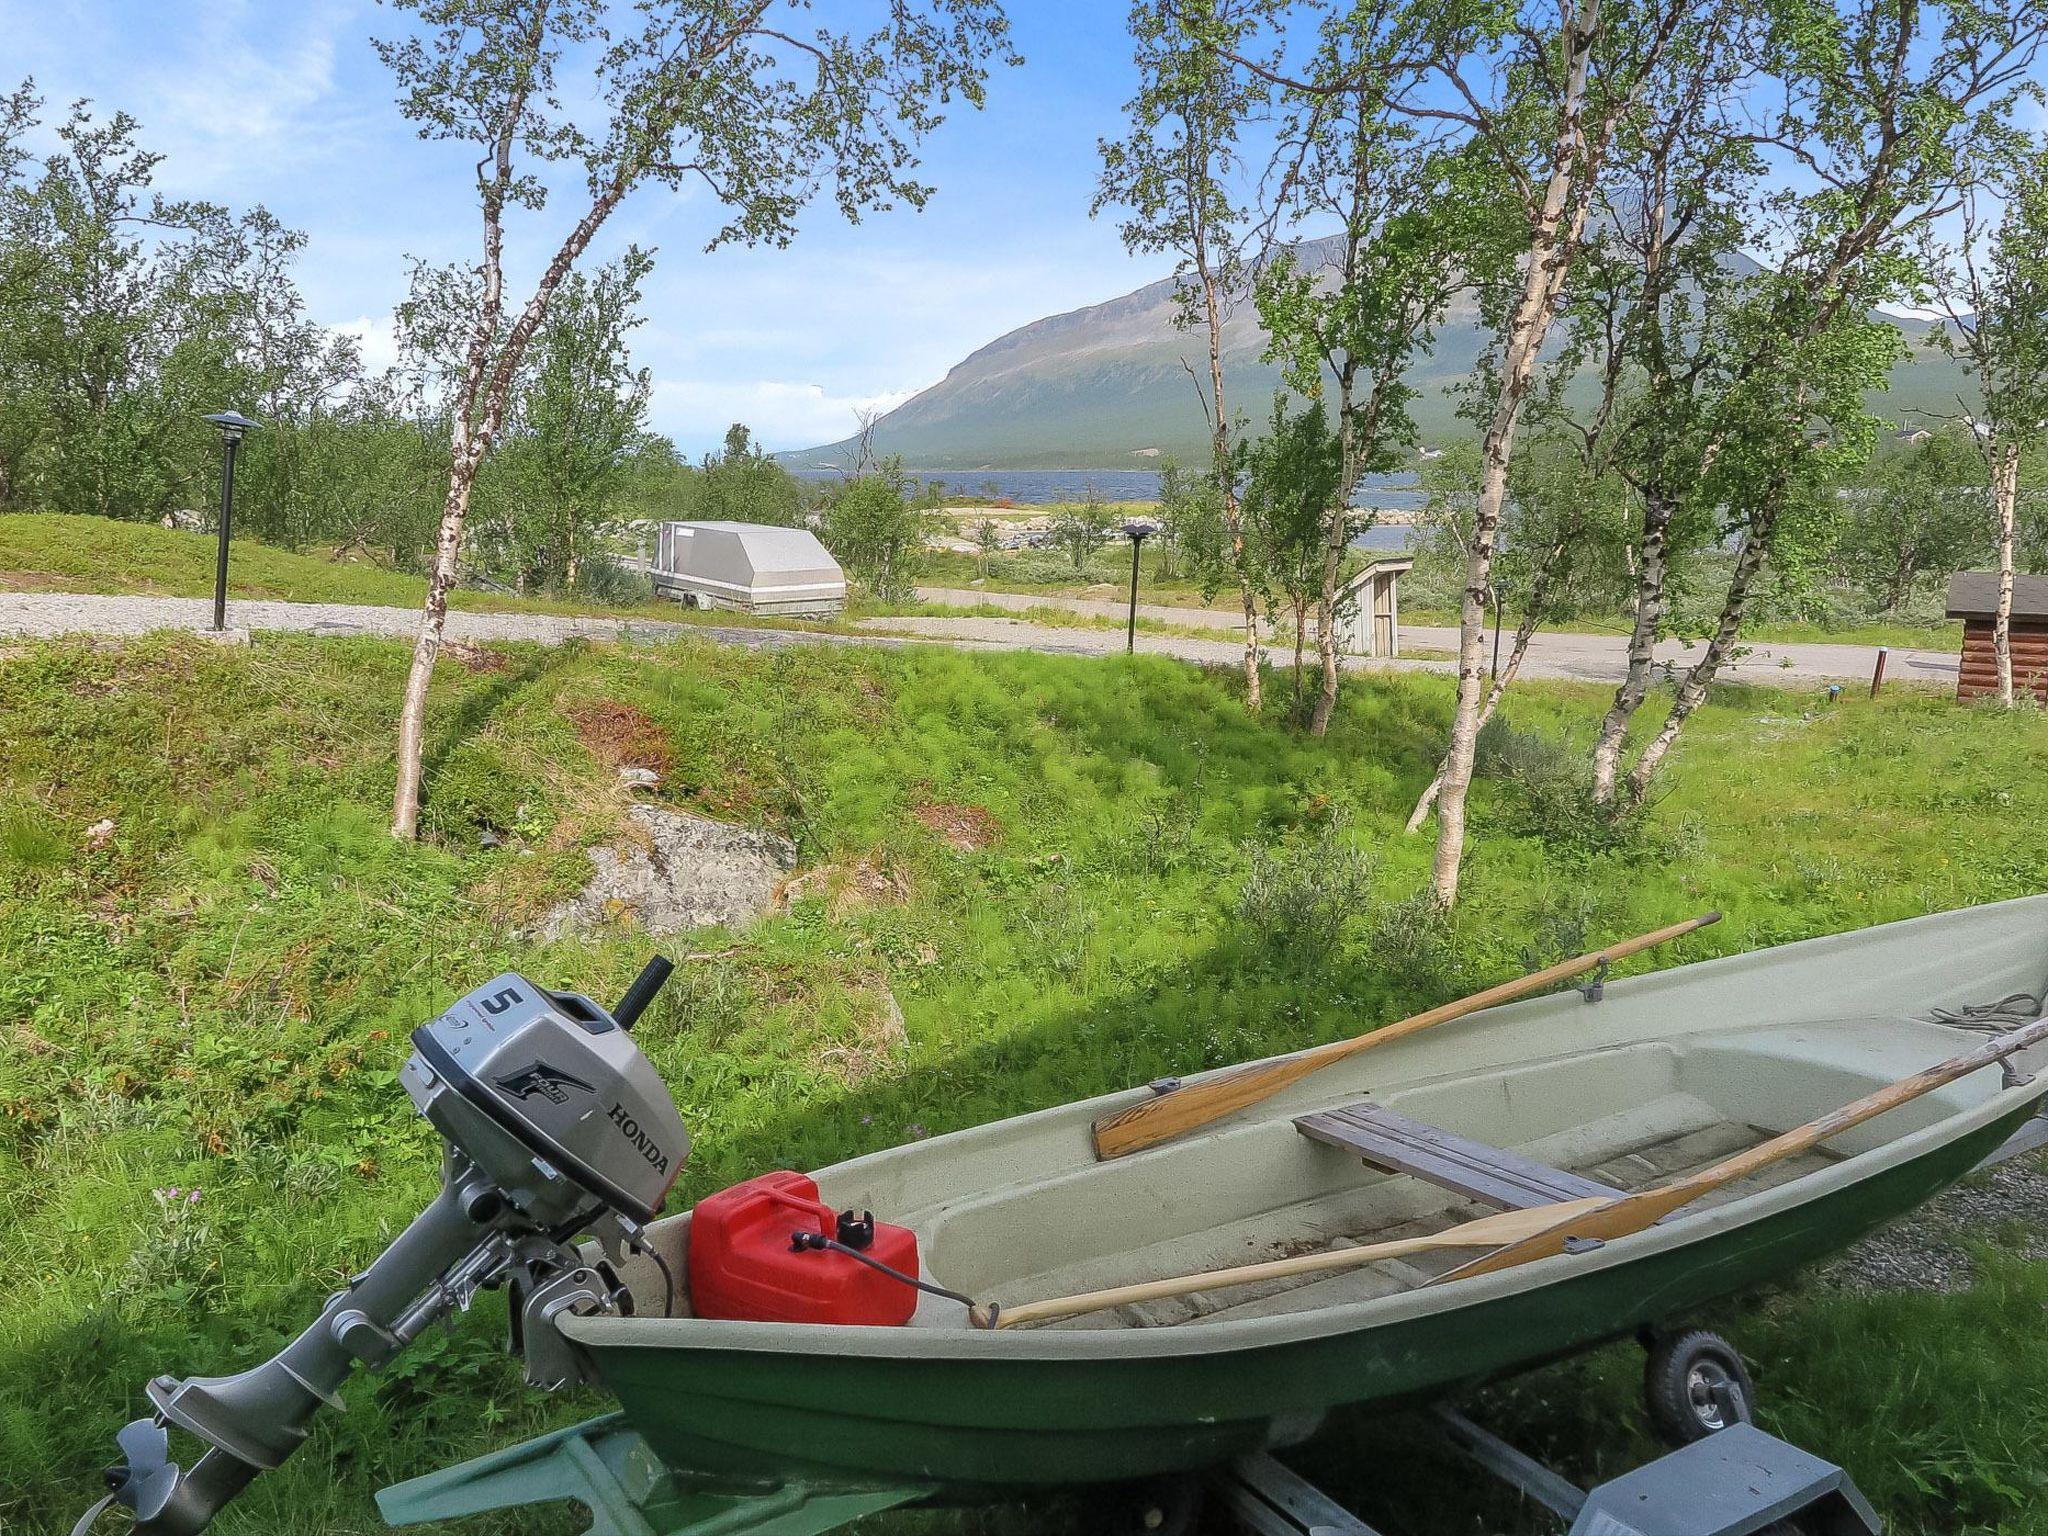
[[639, 778], [185, 520], [688, 873]]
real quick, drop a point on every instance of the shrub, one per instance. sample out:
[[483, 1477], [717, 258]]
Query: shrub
[[1296, 903]]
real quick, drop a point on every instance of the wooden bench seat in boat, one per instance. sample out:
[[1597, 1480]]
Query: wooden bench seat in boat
[[1393, 1143]]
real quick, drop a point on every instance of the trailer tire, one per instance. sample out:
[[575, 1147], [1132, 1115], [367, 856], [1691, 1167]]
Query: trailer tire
[[1694, 1383]]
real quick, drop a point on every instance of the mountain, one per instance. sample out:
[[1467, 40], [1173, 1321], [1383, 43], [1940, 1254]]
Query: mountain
[[1108, 387]]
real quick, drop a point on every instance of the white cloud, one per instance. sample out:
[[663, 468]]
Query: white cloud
[[375, 339], [782, 414]]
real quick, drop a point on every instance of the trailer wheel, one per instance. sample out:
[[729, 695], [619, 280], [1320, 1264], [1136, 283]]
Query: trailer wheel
[[1161, 1506], [1694, 1383]]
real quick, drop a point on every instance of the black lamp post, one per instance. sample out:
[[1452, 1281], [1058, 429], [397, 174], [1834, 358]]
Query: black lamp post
[[1136, 533], [232, 425]]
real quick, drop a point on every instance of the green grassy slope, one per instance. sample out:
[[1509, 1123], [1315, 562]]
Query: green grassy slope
[[214, 993]]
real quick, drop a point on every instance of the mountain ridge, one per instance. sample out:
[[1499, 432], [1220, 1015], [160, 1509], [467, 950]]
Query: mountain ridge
[[1108, 386]]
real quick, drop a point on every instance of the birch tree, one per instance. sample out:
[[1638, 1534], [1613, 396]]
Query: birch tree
[[739, 97], [1764, 364], [1993, 285], [1541, 94], [1351, 323], [1175, 171]]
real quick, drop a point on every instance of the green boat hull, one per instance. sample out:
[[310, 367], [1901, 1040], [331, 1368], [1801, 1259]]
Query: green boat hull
[[1005, 1421]]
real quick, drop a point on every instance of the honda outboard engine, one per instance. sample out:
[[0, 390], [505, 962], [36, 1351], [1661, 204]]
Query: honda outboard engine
[[556, 1127]]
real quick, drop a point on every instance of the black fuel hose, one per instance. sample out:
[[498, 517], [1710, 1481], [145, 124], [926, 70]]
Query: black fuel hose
[[818, 1242]]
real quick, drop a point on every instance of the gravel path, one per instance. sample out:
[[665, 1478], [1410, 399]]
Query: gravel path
[[1925, 1251], [1585, 658], [46, 614], [1582, 657]]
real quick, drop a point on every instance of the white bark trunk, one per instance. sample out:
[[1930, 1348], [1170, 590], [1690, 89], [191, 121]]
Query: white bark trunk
[[412, 718], [1529, 323], [2005, 487], [1525, 632], [1692, 692], [1233, 520], [1649, 601]]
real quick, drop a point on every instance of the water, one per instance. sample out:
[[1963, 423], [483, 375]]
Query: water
[[1398, 493]]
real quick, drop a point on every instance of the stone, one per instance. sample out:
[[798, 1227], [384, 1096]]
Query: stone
[[689, 872]]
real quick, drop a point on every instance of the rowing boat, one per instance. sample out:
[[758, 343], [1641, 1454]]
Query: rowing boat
[[1564, 1097]]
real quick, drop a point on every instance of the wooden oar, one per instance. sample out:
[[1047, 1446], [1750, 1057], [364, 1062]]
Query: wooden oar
[[1180, 1110], [1632, 1213], [1487, 1232]]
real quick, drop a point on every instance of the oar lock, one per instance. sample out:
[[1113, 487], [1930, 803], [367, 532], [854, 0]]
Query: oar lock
[[1596, 989]]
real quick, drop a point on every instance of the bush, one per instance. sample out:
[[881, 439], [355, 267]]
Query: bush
[[1296, 903], [1412, 949], [1553, 794]]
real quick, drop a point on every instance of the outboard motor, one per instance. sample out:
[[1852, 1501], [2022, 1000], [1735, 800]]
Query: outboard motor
[[556, 1127]]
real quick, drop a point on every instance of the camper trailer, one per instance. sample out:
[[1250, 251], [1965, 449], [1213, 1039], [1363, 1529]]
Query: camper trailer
[[749, 568]]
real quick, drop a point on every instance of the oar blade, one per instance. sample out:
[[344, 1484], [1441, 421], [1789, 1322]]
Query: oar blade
[[1180, 1110]]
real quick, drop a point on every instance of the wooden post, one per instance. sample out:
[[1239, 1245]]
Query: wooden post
[[1877, 673]]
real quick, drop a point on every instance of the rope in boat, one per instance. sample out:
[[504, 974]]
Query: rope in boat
[[1991, 1018]]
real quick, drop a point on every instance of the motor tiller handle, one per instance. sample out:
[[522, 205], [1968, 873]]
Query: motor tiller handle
[[641, 993]]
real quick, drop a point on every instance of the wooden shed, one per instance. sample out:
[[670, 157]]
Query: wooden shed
[[1369, 608], [1973, 598]]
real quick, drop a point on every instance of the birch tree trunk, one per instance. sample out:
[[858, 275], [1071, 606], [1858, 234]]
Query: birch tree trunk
[[1354, 433], [412, 718], [2005, 488], [479, 413], [1756, 546], [1529, 323], [1652, 568], [1233, 519], [1525, 632]]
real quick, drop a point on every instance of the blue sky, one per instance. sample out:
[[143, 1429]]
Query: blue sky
[[284, 103]]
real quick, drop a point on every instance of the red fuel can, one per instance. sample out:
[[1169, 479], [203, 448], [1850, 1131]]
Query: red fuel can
[[743, 1264]]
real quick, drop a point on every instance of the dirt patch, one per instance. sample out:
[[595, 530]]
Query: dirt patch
[[620, 735], [33, 581], [477, 658], [872, 880], [966, 828]]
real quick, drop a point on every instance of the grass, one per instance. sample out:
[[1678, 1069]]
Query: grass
[[52, 552], [57, 552], [215, 992]]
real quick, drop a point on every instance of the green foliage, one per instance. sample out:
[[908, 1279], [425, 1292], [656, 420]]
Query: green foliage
[[1920, 512], [878, 532], [1297, 901], [217, 993], [1295, 476], [124, 316], [743, 483], [581, 408], [1082, 527]]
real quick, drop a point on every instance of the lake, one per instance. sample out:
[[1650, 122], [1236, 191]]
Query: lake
[[1040, 487]]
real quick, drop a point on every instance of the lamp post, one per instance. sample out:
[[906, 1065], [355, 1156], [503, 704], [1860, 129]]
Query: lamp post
[[1136, 533], [232, 425]]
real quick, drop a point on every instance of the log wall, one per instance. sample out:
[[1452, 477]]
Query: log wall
[[2029, 659]]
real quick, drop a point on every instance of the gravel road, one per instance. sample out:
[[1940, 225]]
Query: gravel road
[[1598, 658], [1581, 657]]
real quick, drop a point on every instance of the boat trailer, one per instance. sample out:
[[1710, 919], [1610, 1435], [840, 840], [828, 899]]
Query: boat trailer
[[1731, 1479]]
